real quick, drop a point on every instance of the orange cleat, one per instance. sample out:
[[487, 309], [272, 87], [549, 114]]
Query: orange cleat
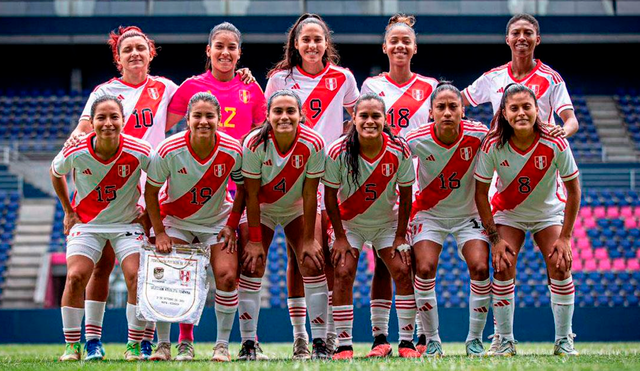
[[380, 351], [421, 348], [409, 353], [343, 353]]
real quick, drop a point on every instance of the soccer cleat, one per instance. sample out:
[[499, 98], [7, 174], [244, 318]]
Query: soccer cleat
[[72, 352], [94, 350], [221, 353], [162, 353], [146, 349], [474, 348], [421, 346], [133, 352], [260, 354], [407, 350], [344, 352], [301, 349], [507, 349], [247, 351], [380, 347], [320, 351], [332, 342], [564, 347], [495, 344], [185, 351], [434, 349]]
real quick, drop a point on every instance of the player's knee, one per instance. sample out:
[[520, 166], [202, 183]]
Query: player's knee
[[425, 268], [77, 280], [226, 280], [343, 274], [479, 270]]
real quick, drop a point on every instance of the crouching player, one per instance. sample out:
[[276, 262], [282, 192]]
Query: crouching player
[[530, 163], [106, 166], [363, 173], [197, 164], [446, 149]]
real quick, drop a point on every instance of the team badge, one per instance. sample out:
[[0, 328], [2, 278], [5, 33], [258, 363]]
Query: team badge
[[387, 169], [535, 88], [331, 83], [297, 161], [466, 153], [185, 277], [244, 96], [417, 94], [219, 170], [153, 93], [158, 273], [540, 162], [124, 170]]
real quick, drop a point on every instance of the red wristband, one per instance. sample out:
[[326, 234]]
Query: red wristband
[[234, 219], [255, 234]]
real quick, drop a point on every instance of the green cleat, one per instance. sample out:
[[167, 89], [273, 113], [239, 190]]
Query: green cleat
[[133, 352], [434, 349], [475, 348], [564, 347], [72, 352]]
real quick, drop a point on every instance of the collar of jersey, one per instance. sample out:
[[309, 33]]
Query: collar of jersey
[[93, 153], [201, 161], [317, 74], [521, 152], [295, 142], [411, 80], [442, 144], [538, 64], [223, 85], [385, 140], [133, 86]]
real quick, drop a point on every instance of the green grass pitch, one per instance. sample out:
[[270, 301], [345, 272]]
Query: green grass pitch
[[532, 356]]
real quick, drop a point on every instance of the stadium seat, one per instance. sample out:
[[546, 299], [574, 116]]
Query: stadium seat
[[613, 212], [633, 265], [590, 265]]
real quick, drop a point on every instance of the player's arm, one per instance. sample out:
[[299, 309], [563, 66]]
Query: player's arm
[[499, 247], [563, 245], [253, 252], [83, 128], [404, 211], [570, 122], [465, 101], [310, 247], [341, 246], [62, 191], [163, 242], [172, 120]]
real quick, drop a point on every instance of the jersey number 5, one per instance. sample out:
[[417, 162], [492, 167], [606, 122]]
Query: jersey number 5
[[370, 190]]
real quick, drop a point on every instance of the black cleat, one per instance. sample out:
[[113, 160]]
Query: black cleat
[[248, 351], [320, 350]]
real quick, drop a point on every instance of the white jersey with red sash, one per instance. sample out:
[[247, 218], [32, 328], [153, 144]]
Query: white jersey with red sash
[[372, 203], [445, 172], [547, 84], [145, 106], [282, 174], [195, 198], [528, 181], [106, 191], [408, 105], [323, 95]]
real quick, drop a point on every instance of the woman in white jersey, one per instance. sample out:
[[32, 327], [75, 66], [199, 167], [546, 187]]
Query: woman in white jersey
[[106, 166], [310, 69], [446, 149], [283, 162], [363, 173], [406, 95], [529, 162], [145, 99], [196, 164]]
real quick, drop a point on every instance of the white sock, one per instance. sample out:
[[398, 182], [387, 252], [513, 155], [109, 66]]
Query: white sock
[[93, 318], [149, 331], [380, 309], [72, 324], [406, 310], [331, 325], [343, 317], [164, 332], [479, 302], [427, 306], [503, 293], [249, 306], [419, 327], [316, 294], [226, 308], [298, 317], [563, 295], [136, 326]]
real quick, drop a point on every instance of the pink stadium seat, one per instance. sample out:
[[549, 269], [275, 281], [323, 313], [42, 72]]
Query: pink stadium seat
[[599, 212], [577, 265], [630, 222], [586, 212], [590, 223], [601, 253], [584, 244], [613, 212], [638, 254], [636, 212], [586, 254], [626, 211], [578, 223], [579, 232], [619, 264], [590, 265], [604, 265], [633, 265]]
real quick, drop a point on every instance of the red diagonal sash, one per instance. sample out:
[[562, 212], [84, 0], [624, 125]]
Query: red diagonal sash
[[288, 176], [376, 184], [213, 179], [407, 101], [141, 119], [459, 163], [90, 206], [526, 180], [322, 95]]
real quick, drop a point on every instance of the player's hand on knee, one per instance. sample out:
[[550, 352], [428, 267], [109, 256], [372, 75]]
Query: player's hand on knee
[[74, 140], [501, 254], [163, 243], [401, 247], [339, 251], [564, 258], [246, 76], [228, 237], [311, 249], [70, 219], [252, 254]]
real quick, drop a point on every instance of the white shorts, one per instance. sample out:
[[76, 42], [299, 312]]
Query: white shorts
[[125, 240], [531, 226], [271, 220], [379, 238], [210, 238], [321, 205], [428, 228]]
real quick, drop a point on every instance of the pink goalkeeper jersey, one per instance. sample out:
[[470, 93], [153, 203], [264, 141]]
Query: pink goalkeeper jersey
[[241, 105]]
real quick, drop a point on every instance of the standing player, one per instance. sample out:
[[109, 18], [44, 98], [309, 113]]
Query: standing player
[[407, 95], [145, 99], [282, 165], [446, 149], [529, 162], [364, 171], [196, 165], [309, 68], [106, 166]]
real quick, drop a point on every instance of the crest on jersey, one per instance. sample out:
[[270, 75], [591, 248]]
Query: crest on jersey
[[219, 170], [535, 88], [387, 169], [297, 161], [244, 96], [540, 162], [124, 170], [466, 153], [331, 83], [417, 94], [153, 93], [185, 277]]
